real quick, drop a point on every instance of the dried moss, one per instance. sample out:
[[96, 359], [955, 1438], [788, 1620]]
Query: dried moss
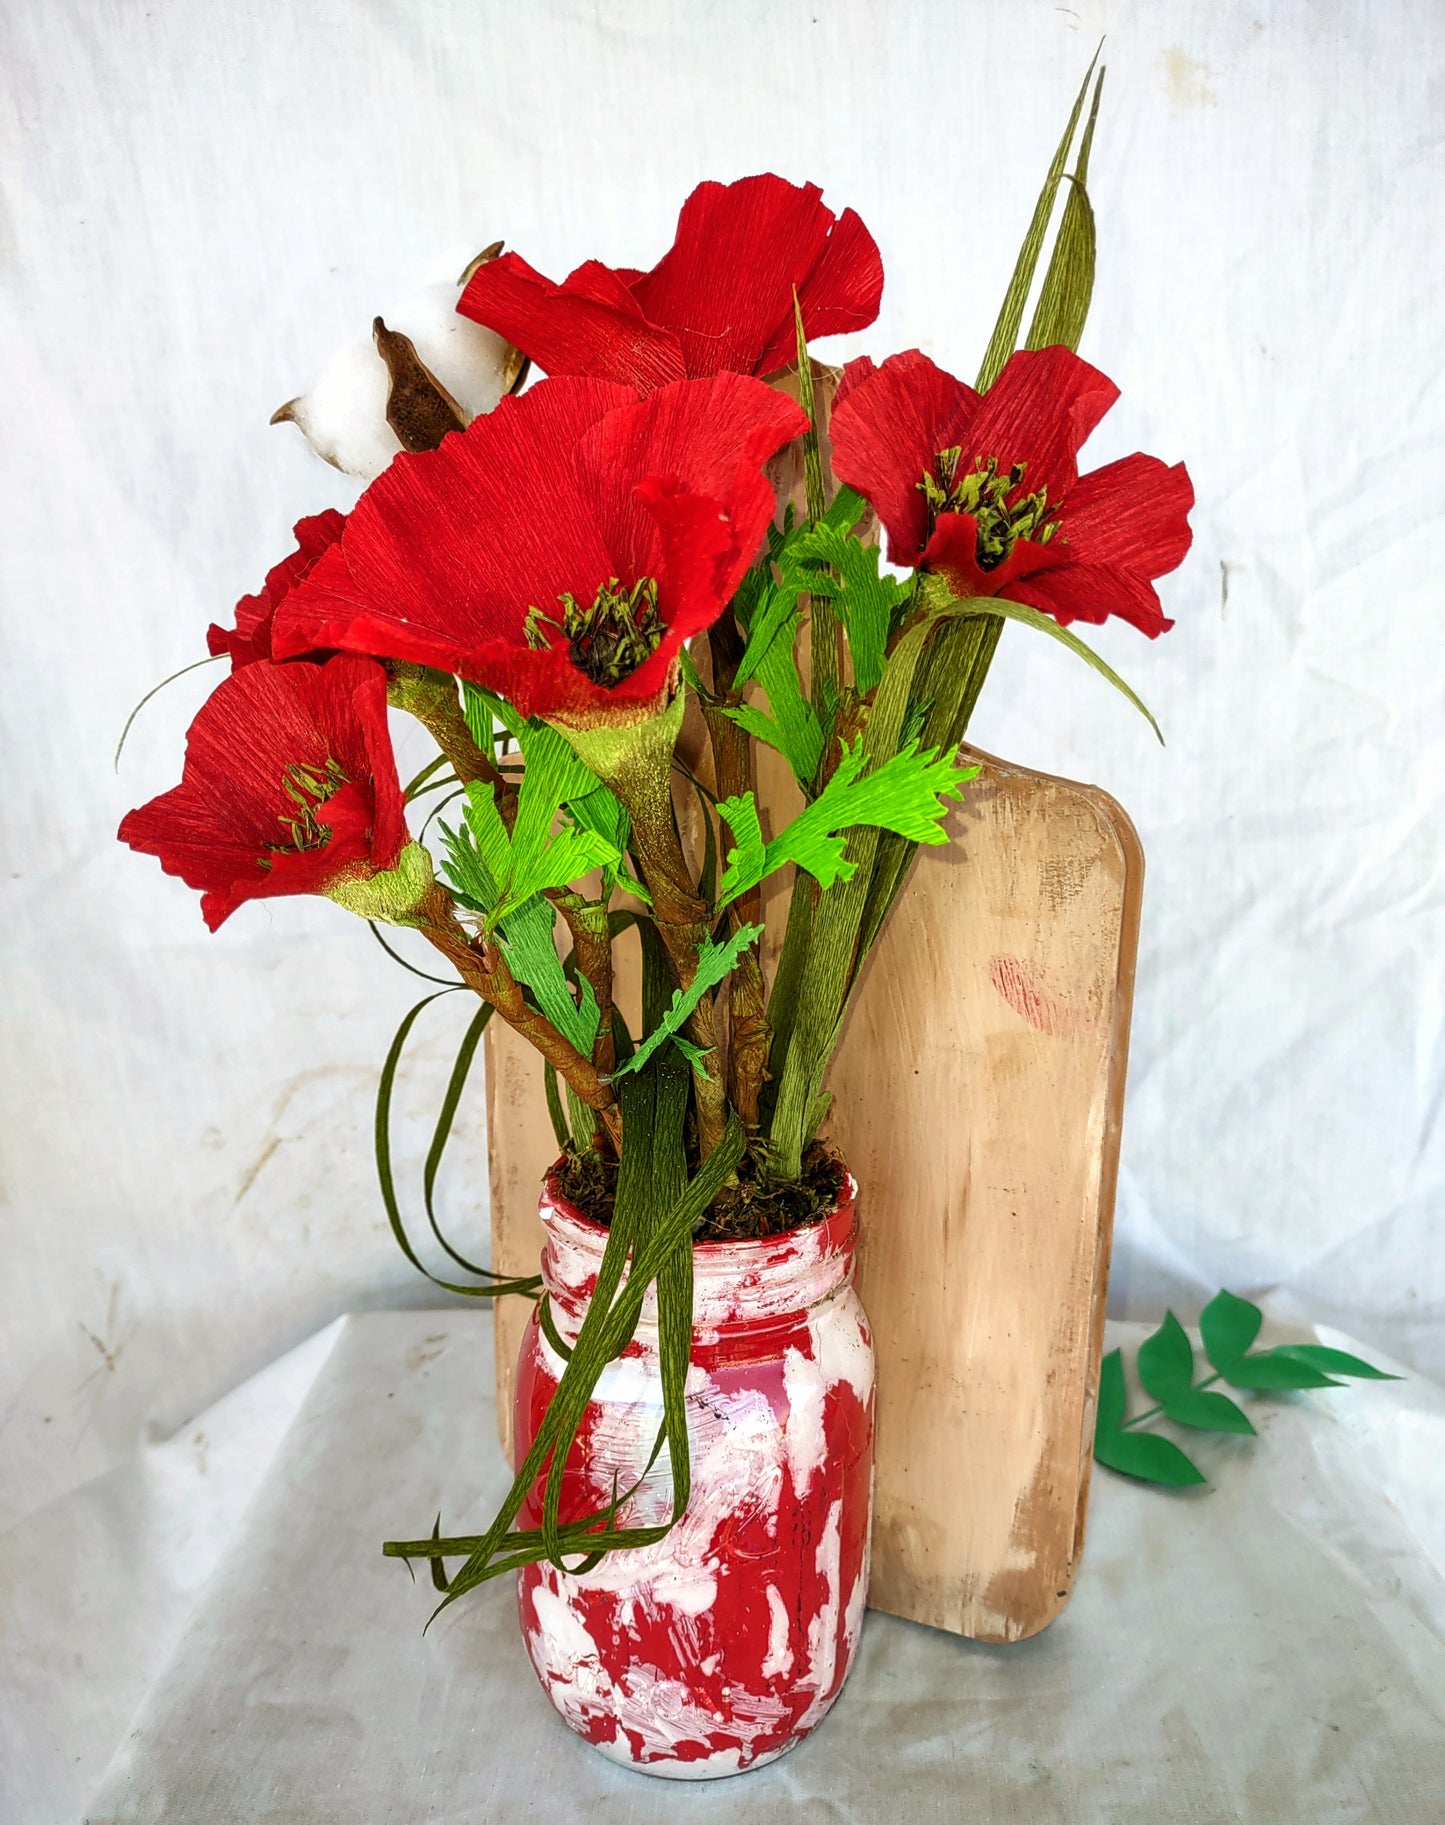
[[748, 1208]]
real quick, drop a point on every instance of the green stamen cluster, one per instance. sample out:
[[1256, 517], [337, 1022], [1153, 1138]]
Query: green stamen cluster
[[608, 641], [308, 788], [984, 493]]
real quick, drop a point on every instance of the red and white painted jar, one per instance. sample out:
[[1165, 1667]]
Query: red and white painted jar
[[726, 1643]]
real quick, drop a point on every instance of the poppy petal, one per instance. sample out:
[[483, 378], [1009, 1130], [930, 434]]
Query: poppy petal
[[250, 638], [725, 288], [1038, 412], [1094, 592], [887, 427], [449, 548], [229, 827], [589, 325], [711, 438], [1132, 514], [842, 292]]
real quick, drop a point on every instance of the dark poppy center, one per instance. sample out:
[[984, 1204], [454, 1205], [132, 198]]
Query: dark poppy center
[[308, 788], [984, 492], [611, 639]]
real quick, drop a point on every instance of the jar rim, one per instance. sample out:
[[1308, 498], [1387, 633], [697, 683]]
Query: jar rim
[[838, 1221]]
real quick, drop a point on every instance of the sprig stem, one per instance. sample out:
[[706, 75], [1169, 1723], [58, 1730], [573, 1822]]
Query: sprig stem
[[1154, 1412]]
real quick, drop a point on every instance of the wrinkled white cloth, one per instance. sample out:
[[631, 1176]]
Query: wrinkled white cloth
[[1268, 1650], [202, 200]]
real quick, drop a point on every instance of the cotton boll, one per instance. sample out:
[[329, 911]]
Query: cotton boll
[[344, 416], [475, 365]]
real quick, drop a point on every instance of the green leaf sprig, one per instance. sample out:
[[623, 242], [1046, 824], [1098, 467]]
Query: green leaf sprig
[[1228, 1327]]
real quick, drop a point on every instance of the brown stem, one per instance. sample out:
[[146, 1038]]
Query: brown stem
[[684, 925], [751, 1036], [485, 971]]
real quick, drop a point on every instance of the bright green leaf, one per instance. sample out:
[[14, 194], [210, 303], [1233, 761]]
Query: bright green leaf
[[1228, 1326], [867, 601], [906, 794], [1112, 1393], [533, 960], [1147, 1456], [1166, 1360], [713, 963], [1333, 1362], [1206, 1410], [1269, 1370]]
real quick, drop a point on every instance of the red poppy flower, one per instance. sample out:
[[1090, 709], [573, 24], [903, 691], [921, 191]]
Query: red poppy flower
[[722, 298], [985, 489], [289, 786], [561, 549], [250, 639]]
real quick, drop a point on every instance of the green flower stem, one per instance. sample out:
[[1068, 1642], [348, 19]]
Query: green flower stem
[[431, 697], [1154, 1412]]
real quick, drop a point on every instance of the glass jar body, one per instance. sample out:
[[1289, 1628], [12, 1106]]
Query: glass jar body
[[725, 1643]]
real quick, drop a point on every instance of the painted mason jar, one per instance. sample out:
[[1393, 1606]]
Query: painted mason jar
[[724, 1644]]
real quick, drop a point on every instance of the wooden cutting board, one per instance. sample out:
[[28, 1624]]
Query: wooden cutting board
[[978, 1099]]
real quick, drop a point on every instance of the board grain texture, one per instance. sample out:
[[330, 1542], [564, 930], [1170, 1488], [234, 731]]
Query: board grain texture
[[978, 1099]]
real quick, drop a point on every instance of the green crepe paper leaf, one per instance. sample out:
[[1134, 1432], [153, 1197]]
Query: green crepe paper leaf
[[1166, 1360], [1333, 1362], [539, 858], [792, 727], [906, 794], [1068, 287], [499, 873], [532, 957], [1206, 1410], [714, 961], [1006, 329], [867, 602], [1227, 1327], [1147, 1456], [601, 812], [775, 616], [1274, 1373], [1112, 1393]]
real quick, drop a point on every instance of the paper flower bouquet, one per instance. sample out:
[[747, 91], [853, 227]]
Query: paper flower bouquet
[[675, 530]]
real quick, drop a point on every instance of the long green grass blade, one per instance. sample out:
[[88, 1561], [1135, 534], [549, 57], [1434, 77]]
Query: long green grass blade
[[1068, 287], [386, 1179], [1006, 330], [446, 1115], [396, 957]]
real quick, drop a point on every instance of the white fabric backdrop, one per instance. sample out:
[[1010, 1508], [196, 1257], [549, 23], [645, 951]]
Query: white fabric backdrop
[[204, 197]]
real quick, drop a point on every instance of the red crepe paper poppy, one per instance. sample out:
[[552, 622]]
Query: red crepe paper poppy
[[562, 548], [289, 786], [985, 489], [250, 639], [720, 299]]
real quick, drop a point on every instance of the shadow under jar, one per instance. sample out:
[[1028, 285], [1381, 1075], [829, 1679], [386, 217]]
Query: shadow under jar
[[725, 1643]]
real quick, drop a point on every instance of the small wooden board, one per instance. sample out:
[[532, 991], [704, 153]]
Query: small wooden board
[[979, 1094]]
